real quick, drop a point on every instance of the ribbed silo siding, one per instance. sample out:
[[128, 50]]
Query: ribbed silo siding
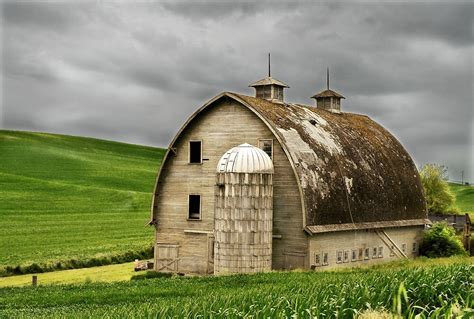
[[243, 222]]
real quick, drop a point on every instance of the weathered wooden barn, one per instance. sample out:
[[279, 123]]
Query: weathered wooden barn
[[256, 183]]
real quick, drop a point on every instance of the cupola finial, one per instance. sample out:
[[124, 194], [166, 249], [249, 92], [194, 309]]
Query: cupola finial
[[269, 65], [269, 88], [328, 99], [327, 78]]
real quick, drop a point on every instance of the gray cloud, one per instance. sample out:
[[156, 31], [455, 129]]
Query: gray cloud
[[135, 71]]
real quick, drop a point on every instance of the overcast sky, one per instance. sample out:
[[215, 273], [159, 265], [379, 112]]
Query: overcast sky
[[134, 72]]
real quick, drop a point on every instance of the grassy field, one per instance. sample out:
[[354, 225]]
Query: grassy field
[[426, 288], [464, 198], [65, 197], [109, 273]]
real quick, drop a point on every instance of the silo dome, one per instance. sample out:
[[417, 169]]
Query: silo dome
[[245, 158]]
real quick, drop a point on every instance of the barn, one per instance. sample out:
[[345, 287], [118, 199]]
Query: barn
[[254, 183]]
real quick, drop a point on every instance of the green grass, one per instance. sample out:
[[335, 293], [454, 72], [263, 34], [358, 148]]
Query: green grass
[[427, 289], [110, 273], [464, 198], [65, 197]]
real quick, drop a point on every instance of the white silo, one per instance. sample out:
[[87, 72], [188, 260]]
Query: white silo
[[244, 211]]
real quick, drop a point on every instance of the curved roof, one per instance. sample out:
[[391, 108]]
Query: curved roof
[[245, 158], [268, 81], [348, 168]]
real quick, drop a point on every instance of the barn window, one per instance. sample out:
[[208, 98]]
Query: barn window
[[404, 248], [374, 252], [366, 253], [339, 256], [413, 248], [267, 147], [194, 207], [195, 152], [317, 259], [346, 256], [325, 259], [267, 92], [361, 253], [380, 252], [392, 250], [354, 255]]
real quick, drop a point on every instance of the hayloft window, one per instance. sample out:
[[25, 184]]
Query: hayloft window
[[195, 152], [194, 207], [267, 147]]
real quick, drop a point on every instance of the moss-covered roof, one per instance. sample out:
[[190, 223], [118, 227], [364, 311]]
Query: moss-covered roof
[[350, 169]]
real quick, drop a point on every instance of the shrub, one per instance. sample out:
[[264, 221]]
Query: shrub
[[438, 195], [441, 241]]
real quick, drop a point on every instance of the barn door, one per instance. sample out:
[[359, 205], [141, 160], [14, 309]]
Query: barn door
[[210, 254], [167, 257]]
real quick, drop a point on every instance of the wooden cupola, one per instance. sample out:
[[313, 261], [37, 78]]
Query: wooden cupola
[[328, 99], [269, 88]]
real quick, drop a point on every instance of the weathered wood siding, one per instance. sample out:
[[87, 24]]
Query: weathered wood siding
[[221, 127], [347, 241]]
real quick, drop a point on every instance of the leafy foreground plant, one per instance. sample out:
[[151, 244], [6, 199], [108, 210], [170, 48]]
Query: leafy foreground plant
[[434, 292]]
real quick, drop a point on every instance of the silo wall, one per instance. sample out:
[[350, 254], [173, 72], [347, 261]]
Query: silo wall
[[243, 222]]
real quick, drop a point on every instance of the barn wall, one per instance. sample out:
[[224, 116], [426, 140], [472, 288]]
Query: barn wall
[[221, 127], [354, 240]]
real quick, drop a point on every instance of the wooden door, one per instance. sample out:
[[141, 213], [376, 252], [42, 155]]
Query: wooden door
[[167, 257]]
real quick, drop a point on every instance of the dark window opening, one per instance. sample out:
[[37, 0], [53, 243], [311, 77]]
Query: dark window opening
[[339, 257], [346, 256], [195, 152], [325, 259], [267, 147], [194, 211], [366, 253]]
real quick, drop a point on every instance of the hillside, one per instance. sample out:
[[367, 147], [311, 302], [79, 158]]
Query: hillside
[[64, 197], [464, 198]]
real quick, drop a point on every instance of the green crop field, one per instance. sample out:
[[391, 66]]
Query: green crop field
[[464, 198], [65, 197], [437, 291]]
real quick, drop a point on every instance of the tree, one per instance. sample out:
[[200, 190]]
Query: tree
[[439, 198], [441, 241]]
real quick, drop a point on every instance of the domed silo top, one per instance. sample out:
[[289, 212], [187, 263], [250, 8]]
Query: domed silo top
[[245, 158]]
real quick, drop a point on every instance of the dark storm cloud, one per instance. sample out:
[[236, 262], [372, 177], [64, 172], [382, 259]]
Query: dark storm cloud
[[135, 71]]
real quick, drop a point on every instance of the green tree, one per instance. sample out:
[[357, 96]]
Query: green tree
[[439, 198], [441, 241]]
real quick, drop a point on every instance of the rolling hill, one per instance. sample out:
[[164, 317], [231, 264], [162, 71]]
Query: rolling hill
[[464, 198], [65, 197]]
